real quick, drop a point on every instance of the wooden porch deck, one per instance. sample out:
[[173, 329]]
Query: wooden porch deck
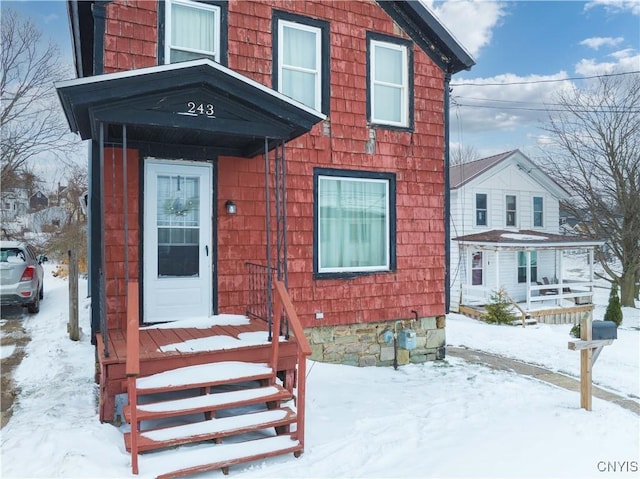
[[169, 346]]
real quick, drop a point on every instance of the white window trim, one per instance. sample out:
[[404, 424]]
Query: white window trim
[[483, 268], [515, 219], [358, 269], [168, 25], [404, 107], [530, 265], [533, 211], [318, 70], [475, 209]]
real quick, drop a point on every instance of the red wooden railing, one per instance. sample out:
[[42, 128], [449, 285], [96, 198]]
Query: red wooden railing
[[282, 302], [132, 368]]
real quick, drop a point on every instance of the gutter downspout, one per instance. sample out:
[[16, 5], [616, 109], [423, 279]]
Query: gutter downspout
[[447, 194]]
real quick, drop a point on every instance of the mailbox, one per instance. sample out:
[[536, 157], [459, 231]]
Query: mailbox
[[604, 330], [407, 339]]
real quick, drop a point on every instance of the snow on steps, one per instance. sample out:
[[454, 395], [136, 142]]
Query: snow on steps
[[211, 429], [189, 460], [203, 375], [250, 388], [208, 402]]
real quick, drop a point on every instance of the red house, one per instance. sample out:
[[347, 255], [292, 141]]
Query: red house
[[260, 170]]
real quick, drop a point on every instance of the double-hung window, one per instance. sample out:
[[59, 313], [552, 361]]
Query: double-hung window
[[481, 209], [510, 206], [538, 212], [300, 68], [354, 222], [522, 266], [192, 31], [390, 82], [477, 268], [301, 59]]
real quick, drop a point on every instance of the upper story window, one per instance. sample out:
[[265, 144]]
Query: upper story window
[[481, 209], [355, 222], [538, 212], [192, 30], [511, 212], [390, 81], [301, 59]]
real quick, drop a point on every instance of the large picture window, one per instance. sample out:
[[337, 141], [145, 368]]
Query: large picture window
[[355, 222], [192, 31], [301, 59], [390, 82]]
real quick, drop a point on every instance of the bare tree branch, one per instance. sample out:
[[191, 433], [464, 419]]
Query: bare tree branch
[[31, 120], [595, 154]]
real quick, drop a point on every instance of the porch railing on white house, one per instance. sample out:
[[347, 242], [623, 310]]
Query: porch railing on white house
[[578, 292]]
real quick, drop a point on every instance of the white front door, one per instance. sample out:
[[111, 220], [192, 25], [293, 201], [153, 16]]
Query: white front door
[[177, 240]]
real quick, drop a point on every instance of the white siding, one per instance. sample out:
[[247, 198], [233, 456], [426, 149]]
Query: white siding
[[506, 178]]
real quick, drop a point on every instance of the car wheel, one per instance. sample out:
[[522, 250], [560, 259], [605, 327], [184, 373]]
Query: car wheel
[[34, 307], [41, 292]]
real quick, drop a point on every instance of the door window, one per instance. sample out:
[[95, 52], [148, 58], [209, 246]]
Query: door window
[[178, 227]]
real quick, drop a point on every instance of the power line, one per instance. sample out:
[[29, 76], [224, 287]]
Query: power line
[[500, 107], [533, 82]]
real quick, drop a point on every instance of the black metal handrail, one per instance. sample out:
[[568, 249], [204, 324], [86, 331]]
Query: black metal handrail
[[260, 296]]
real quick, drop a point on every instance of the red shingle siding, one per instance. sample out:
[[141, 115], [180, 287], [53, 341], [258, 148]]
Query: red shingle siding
[[415, 157], [114, 234], [131, 35]]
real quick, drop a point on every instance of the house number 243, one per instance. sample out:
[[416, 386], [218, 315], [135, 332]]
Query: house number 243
[[206, 109]]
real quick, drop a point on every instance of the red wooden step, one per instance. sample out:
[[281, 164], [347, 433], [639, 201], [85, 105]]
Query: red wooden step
[[189, 460], [208, 402], [211, 429], [203, 375]]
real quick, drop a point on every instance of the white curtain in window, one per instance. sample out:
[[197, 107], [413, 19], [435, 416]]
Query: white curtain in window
[[192, 29], [353, 224], [299, 64], [388, 84]]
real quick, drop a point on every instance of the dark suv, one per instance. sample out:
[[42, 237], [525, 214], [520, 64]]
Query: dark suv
[[21, 275]]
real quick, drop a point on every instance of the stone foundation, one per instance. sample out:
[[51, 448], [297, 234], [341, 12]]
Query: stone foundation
[[364, 344]]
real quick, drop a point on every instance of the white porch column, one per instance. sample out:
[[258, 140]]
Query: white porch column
[[591, 272], [497, 266], [528, 280], [561, 274]]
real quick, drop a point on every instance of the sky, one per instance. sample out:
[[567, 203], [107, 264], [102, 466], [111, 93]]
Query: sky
[[522, 50], [442, 419]]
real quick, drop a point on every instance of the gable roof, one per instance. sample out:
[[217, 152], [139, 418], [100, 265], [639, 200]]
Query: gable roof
[[463, 173], [422, 26], [426, 30]]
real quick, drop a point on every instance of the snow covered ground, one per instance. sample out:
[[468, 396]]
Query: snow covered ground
[[445, 419]]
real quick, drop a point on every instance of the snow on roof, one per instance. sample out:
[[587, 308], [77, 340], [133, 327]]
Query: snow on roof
[[522, 237]]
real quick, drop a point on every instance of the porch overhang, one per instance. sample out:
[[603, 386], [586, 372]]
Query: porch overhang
[[521, 240], [199, 104]]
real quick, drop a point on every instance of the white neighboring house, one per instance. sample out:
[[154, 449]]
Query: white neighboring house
[[14, 205], [505, 231]]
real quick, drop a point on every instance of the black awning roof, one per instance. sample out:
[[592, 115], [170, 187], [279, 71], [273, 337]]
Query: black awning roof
[[199, 104]]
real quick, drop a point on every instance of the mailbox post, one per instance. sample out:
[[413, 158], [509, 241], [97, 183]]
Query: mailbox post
[[594, 335]]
